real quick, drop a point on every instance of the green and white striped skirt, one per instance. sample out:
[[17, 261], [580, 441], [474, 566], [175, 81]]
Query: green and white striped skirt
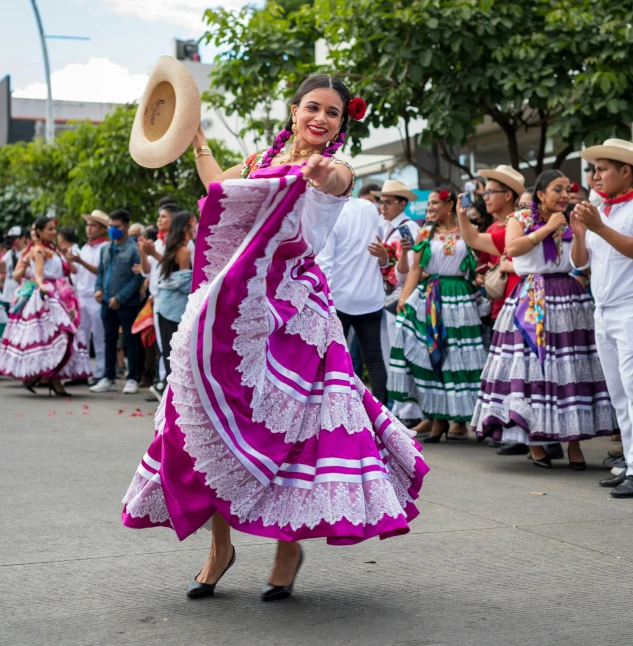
[[449, 391]]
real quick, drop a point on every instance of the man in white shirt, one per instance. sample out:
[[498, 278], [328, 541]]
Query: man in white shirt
[[603, 239], [87, 263], [394, 198], [356, 284]]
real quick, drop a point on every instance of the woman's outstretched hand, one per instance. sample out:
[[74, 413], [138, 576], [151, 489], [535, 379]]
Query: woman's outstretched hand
[[319, 169]]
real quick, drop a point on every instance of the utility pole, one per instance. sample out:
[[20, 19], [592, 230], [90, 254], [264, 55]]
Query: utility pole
[[50, 122]]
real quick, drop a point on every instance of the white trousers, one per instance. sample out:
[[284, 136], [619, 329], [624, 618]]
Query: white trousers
[[402, 410], [92, 326], [614, 340]]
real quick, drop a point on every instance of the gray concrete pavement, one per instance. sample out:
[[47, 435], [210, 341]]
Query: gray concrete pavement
[[487, 561]]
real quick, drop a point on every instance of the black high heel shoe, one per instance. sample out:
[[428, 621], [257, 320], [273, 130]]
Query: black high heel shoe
[[197, 590], [545, 462], [30, 384], [58, 393], [277, 592], [577, 466], [436, 439]]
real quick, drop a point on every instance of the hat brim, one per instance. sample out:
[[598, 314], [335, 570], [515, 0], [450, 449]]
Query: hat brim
[[408, 195], [92, 218], [154, 150], [594, 153], [504, 179]]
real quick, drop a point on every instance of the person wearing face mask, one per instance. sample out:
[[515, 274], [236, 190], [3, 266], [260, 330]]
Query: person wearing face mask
[[117, 290], [394, 198], [438, 351], [603, 241], [543, 382], [43, 339]]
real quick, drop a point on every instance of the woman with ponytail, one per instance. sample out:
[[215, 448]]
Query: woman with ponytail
[[264, 427], [43, 339], [438, 352]]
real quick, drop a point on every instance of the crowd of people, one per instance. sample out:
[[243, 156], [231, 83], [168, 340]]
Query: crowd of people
[[504, 313], [119, 297], [489, 307]]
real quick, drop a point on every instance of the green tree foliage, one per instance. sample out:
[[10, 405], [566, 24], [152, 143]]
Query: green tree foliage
[[543, 67], [89, 167]]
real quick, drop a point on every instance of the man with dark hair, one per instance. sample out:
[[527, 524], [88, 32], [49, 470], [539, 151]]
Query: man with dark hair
[[369, 192], [603, 239], [117, 289]]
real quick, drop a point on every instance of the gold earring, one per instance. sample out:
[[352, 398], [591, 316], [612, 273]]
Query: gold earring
[[295, 130]]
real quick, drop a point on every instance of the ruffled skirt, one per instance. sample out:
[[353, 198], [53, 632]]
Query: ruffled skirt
[[449, 393], [564, 399], [263, 420], [45, 339]]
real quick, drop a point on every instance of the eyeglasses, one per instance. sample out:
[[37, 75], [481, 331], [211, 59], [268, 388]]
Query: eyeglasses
[[389, 202], [491, 192], [524, 205]]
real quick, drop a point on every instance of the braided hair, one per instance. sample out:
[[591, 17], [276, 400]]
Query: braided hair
[[313, 83]]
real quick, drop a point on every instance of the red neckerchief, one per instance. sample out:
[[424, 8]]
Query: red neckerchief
[[161, 235], [94, 243], [618, 199]]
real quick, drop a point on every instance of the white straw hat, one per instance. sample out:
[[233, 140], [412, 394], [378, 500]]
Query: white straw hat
[[168, 115], [97, 216], [616, 149], [396, 188], [506, 175]]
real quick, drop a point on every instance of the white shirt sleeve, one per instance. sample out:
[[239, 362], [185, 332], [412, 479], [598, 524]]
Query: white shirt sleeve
[[571, 258], [325, 259]]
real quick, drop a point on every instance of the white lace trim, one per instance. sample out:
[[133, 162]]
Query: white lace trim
[[456, 311], [556, 370], [317, 330], [560, 317], [435, 398], [146, 498], [563, 424]]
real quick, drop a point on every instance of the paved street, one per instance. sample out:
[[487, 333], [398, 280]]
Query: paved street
[[488, 562]]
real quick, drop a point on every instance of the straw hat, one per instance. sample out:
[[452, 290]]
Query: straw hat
[[397, 189], [167, 117], [616, 149], [506, 175], [97, 216]]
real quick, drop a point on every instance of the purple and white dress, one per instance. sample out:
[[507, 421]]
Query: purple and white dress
[[264, 420], [543, 381], [43, 337]]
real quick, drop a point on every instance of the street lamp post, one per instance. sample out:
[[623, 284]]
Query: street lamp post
[[50, 122]]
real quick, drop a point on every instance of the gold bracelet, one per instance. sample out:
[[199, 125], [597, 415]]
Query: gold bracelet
[[201, 151], [533, 240]]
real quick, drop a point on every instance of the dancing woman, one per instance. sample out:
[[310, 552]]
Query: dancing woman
[[543, 382], [438, 352], [263, 426], [42, 339]]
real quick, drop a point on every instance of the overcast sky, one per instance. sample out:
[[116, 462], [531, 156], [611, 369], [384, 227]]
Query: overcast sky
[[126, 37]]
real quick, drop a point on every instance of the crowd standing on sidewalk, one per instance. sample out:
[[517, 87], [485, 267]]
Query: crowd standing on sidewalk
[[525, 271]]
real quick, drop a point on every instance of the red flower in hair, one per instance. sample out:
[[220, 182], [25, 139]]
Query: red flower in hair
[[574, 187], [444, 195], [356, 109]]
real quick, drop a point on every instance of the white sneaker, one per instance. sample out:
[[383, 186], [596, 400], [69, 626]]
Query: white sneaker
[[103, 386], [131, 387]]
